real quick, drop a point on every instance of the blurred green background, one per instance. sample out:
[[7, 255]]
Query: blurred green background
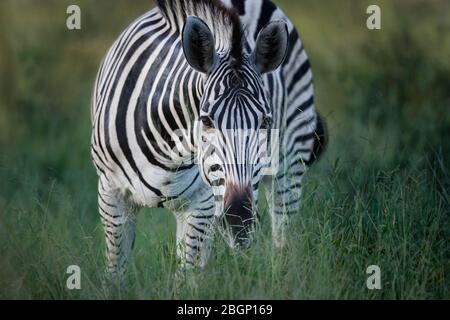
[[379, 196]]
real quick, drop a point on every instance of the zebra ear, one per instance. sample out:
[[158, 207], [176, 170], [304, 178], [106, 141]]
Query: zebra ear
[[199, 45], [271, 46]]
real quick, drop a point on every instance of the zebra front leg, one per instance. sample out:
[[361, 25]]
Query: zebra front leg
[[283, 198], [194, 237], [119, 222]]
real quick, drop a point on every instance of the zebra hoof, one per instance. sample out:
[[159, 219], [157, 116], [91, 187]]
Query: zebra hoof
[[113, 286], [186, 280], [279, 244]]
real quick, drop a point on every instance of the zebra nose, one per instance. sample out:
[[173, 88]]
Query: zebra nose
[[238, 213]]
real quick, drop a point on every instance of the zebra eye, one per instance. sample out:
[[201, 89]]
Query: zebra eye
[[207, 122]]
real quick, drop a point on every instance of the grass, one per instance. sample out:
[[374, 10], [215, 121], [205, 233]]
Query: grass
[[379, 196]]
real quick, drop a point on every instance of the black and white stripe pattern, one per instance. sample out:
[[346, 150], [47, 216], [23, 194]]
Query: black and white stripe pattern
[[170, 84]]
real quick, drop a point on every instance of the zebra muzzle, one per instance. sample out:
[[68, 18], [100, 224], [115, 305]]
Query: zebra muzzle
[[238, 219]]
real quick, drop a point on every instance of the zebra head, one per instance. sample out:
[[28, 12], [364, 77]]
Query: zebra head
[[235, 115]]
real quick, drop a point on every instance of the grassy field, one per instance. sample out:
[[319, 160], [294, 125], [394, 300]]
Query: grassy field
[[380, 196]]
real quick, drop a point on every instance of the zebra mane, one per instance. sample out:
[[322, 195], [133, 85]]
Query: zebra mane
[[223, 21]]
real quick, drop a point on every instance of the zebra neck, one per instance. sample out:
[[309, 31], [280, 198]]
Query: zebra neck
[[223, 21], [177, 121]]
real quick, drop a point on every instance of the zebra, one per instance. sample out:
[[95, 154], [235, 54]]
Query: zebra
[[178, 76]]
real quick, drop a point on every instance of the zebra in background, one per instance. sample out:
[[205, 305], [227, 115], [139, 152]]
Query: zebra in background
[[185, 71]]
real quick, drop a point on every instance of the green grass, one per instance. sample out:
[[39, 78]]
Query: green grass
[[380, 195]]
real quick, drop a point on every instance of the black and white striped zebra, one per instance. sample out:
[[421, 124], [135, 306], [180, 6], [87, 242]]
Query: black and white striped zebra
[[178, 108]]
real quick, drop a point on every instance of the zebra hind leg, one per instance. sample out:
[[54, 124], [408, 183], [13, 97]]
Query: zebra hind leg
[[119, 222]]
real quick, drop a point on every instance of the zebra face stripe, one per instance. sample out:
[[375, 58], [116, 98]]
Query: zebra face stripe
[[234, 110]]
